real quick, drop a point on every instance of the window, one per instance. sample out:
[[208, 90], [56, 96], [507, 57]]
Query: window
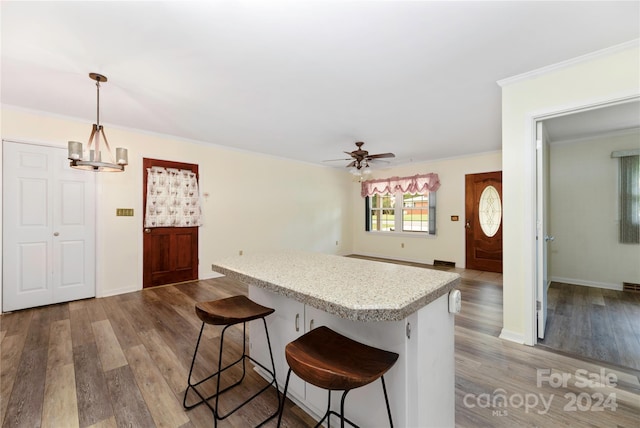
[[401, 212], [401, 204], [383, 209], [630, 199], [415, 213]]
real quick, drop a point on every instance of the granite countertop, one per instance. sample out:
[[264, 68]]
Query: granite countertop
[[355, 289]]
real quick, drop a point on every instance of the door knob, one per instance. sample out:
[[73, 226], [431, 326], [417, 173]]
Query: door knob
[[468, 225], [147, 230], [56, 234]]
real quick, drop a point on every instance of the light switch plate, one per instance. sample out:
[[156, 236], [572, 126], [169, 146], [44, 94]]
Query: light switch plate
[[124, 212]]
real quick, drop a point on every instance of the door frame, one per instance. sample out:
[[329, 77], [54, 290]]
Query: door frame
[[531, 203], [542, 226]]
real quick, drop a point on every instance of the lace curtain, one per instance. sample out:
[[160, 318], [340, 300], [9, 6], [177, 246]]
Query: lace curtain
[[173, 199], [414, 184]]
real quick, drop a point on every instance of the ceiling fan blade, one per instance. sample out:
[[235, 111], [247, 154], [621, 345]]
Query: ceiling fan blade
[[360, 157], [335, 160], [381, 155]]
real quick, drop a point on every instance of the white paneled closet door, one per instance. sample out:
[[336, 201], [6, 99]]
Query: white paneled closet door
[[48, 228]]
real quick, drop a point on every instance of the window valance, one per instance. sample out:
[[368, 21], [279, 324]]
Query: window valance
[[414, 184]]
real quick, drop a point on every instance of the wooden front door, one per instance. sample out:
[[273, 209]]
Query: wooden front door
[[170, 253], [483, 221]]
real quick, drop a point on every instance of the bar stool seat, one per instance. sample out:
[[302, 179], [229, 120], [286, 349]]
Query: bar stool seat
[[228, 312], [333, 362]]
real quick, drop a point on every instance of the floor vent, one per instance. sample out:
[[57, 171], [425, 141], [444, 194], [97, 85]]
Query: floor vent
[[630, 286], [445, 263]]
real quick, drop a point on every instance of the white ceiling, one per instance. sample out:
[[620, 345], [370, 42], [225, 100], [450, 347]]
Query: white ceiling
[[297, 79]]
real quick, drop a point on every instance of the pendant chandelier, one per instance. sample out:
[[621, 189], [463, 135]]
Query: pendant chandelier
[[91, 160]]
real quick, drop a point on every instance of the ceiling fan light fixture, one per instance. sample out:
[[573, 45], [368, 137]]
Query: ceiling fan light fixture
[[92, 159], [360, 158]]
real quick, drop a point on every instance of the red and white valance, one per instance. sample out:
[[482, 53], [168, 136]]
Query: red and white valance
[[414, 184]]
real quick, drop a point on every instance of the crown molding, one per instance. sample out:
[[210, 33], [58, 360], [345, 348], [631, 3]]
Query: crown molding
[[569, 63]]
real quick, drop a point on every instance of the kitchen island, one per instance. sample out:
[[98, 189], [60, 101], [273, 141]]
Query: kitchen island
[[399, 308]]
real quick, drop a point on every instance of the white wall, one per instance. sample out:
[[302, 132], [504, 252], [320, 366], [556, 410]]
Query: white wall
[[449, 242], [584, 214], [590, 81], [256, 202]]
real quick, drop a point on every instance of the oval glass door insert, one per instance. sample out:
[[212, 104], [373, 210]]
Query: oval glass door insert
[[490, 211]]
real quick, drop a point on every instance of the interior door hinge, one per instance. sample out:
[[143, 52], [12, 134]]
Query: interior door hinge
[[538, 305]]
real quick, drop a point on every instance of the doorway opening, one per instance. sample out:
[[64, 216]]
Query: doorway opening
[[579, 304]]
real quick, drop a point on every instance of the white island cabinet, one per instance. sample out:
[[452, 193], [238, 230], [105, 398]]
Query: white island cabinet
[[397, 308]]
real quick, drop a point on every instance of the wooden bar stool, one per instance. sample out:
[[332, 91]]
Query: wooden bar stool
[[333, 362], [228, 312]]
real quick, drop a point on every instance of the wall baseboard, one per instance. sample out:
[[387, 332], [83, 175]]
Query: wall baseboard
[[575, 281], [115, 292], [386, 256], [512, 336], [211, 275]]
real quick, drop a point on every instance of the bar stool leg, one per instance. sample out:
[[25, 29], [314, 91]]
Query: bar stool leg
[[273, 373], [327, 414], [284, 398], [189, 384], [215, 409], [193, 386], [220, 370], [386, 400], [245, 356]]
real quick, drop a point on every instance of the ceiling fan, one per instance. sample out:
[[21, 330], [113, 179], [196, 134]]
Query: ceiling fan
[[360, 158]]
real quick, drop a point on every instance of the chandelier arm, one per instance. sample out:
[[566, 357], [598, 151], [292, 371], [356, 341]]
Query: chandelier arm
[[94, 129], [106, 143]]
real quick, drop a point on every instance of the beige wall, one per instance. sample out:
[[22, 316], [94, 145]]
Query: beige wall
[[256, 202], [448, 244], [584, 214], [588, 82]]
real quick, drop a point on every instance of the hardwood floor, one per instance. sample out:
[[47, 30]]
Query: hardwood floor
[[123, 361], [593, 322], [119, 361]]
